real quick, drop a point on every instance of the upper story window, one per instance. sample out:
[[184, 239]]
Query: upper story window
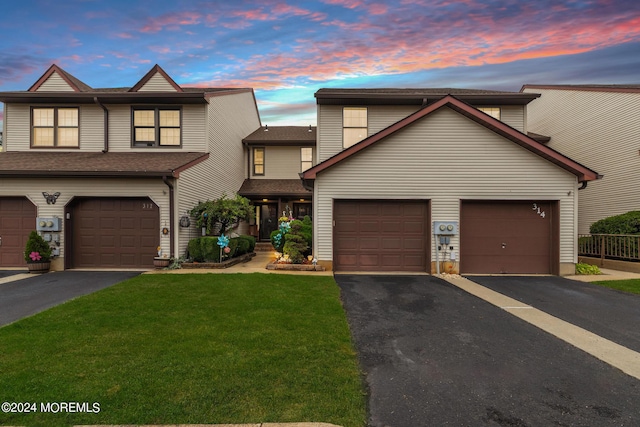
[[492, 111], [306, 158], [157, 127], [54, 127], [258, 161], [354, 125]]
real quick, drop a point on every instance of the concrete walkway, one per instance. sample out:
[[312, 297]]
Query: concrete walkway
[[606, 275], [257, 264]]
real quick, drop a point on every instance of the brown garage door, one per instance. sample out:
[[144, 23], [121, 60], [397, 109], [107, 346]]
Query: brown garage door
[[112, 233], [380, 235], [17, 220], [508, 237]]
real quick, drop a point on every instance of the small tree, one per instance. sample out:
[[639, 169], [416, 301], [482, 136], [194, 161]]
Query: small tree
[[36, 249], [224, 211], [296, 244]]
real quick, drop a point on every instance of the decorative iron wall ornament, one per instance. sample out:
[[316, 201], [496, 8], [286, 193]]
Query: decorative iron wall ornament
[[51, 198], [185, 221]]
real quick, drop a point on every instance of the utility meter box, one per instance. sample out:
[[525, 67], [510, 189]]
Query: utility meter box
[[445, 228], [48, 224]]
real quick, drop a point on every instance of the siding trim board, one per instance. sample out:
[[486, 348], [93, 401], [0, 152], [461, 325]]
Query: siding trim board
[[583, 173]]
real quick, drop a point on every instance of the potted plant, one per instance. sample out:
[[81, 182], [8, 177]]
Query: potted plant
[[160, 261], [37, 254]]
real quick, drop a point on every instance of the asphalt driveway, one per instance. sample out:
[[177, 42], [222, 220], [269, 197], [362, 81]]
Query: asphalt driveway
[[433, 354], [26, 297], [611, 314]]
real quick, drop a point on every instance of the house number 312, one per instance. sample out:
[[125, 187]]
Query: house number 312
[[538, 210], [147, 206]]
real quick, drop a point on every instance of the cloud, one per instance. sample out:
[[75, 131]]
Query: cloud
[[171, 21]]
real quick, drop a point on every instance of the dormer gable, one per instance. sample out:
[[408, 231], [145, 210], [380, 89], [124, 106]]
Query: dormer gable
[[55, 79], [156, 80]]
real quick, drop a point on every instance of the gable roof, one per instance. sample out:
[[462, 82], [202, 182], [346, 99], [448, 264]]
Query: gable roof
[[273, 188], [82, 93], [282, 135], [622, 88], [152, 72], [96, 164], [73, 82], [583, 173]]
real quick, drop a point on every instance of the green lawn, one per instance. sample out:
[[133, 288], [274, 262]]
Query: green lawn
[[169, 349], [632, 285]]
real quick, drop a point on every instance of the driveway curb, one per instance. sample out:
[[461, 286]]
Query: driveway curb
[[614, 354]]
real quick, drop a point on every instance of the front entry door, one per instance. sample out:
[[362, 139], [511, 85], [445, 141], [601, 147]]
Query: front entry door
[[268, 220]]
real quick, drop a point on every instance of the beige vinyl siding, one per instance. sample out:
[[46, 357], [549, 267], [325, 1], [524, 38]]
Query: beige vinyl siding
[[513, 115], [18, 122], [230, 119], [601, 130], [380, 117], [193, 130], [444, 158], [281, 163], [157, 83], [88, 187], [55, 83]]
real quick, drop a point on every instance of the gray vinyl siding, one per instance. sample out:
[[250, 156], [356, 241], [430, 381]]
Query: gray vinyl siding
[[55, 83], [601, 130], [157, 83], [18, 135], [87, 187], [280, 163], [381, 117], [230, 119], [445, 158], [193, 130]]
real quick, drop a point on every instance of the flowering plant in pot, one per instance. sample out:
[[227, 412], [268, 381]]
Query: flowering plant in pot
[[37, 253]]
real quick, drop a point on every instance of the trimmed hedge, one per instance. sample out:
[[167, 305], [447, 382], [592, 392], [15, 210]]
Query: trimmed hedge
[[626, 223], [206, 249]]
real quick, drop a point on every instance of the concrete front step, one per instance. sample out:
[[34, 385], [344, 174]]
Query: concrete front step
[[264, 247]]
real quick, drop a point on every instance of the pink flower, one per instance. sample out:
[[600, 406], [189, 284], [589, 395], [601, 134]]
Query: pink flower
[[35, 256]]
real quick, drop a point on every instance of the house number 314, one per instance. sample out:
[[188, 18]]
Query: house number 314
[[538, 210]]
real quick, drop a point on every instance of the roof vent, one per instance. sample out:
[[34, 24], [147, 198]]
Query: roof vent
[[310, 130], [266, 128]]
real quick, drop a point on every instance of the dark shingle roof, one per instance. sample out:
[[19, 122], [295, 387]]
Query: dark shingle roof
[[273, 187], [30, 163], [624, 88], [283, 134]]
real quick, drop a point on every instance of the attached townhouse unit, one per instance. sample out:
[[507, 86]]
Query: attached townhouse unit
[[110, 174], [407, 178], [276, 156], [597, 125]]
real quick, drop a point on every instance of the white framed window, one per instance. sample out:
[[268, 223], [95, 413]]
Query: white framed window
[[156, 127], [492, 111], [354, 125], [306, 158], [258, 161], [55, 127]]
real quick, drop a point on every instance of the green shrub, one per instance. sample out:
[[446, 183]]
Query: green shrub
[[277, 242], [627, 223], [582, 268], [295, 243], [252, 242], [35, 243], [195, 250]]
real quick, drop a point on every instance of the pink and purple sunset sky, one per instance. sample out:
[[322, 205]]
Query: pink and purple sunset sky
[[286, 50]]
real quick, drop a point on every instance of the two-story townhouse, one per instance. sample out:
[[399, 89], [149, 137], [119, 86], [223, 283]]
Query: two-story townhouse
[[408, 178], [112, 173], [276, 156], [597, 125]]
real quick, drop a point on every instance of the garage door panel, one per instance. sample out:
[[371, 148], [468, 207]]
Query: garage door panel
[[17, 220], [126, 238], [380, 235], [506, 237]]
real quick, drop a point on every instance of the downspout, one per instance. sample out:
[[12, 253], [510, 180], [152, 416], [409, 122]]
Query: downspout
[[171, 214], [584, 185], [106, 124]]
